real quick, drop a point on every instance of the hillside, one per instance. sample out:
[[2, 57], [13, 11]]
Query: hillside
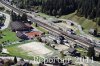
[[87, 10], [85, 23]]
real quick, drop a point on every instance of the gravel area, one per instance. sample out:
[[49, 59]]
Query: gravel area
[[35, 47]]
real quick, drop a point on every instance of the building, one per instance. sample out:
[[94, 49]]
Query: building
[[21, 35], [19, 26], [27, 35], [54, 20], [30, 35], [23, 63], [1, 15], [72, 51]]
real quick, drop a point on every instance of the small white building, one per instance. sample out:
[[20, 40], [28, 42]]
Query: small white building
[[5, 51], [1, 15]]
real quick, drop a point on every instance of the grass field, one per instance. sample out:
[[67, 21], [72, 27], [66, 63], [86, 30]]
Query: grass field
[[85, 23], [40, 28], [14, 50], [8, 35], [82, 51], [44, 15]]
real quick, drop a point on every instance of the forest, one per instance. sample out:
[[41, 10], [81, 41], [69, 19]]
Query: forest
[[87, 8]]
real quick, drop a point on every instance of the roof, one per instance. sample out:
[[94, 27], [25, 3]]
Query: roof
[[1, 15], [18, 26], [1, 64], [55, 20], [1, 60], [28, 25], [71, 50], [21, 63], [33, 34], [21, 35]]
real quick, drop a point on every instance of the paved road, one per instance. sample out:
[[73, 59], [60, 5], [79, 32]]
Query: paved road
[[7, 21]]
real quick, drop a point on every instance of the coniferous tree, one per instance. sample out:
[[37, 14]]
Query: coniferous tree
[[24, 18], [87, 8], [91, 52], [59, 12], [49, 6], [13, 16], [1, 47], [99, 22], [19, 17], [15, 59]]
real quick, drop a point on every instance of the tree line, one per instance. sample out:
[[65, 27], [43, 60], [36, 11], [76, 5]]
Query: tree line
[[88, 8], [18, 17], [50, 7], [61, 7]]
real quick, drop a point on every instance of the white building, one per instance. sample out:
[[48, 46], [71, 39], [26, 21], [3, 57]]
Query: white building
[[1, 15]]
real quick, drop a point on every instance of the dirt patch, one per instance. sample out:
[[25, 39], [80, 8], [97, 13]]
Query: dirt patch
[[35, 48]]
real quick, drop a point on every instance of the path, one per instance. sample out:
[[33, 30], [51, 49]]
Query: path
[[7, 21]]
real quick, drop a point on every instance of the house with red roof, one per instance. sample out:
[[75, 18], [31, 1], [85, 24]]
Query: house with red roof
[[33, 34]]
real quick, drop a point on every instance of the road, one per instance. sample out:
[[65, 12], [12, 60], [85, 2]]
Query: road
[[73, 38], [7, 21]]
